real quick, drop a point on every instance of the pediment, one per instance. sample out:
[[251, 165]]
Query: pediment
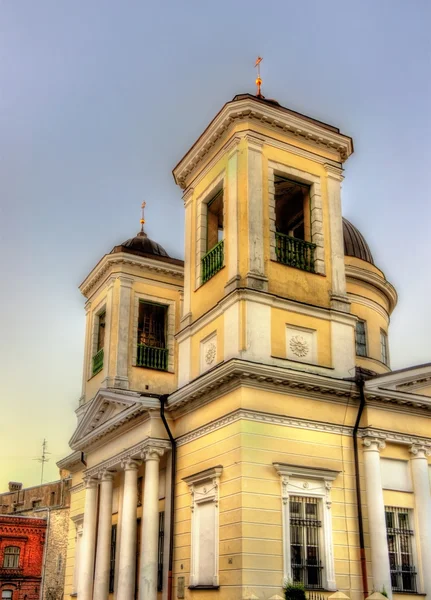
[[414, 380], [106, 412]]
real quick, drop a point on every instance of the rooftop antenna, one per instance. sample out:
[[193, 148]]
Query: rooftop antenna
[[259, 59], [43, 459], [142, 221]]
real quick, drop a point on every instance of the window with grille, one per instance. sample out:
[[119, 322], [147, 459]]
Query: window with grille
[[11, 557], [152, 348], [112, 558], [101, 331], [384, 347], [400, 545], [361, 339], [160, 551], [305, 541]]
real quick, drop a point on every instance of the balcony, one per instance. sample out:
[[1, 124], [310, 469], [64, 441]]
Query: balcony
[[212, 261], [98, 362], [294, 252], [152, 357], [11, 572]]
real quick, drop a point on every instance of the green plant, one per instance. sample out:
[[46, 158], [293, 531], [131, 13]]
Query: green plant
[[384, 592], [294, 591]]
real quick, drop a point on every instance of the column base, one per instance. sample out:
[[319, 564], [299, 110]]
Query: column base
[[256, 281]]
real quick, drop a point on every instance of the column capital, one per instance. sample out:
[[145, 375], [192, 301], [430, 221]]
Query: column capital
[[420, 451], [373, 444], [106, 475], [90, 482], [130, 464], [152, 453], [187, 196], [334, 171]]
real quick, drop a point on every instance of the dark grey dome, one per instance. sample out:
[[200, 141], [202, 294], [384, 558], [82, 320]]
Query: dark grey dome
[[141, 244], [355, 244]]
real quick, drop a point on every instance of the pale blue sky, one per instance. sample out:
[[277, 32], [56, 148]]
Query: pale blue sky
[[99, 100]]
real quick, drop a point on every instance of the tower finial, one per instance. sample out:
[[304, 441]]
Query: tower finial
[[142, 221], [258, 78]]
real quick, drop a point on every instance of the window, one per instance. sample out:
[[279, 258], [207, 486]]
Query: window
[[152, 349], [112, 558], [361, 339], [11, 557], [293, 245], [100, 343], [36, 503], [6, 595], [384, 347], [160, 551], [308, 555], [403, 572], [204, 488], [305, 541], [52, 499], [213, 260]]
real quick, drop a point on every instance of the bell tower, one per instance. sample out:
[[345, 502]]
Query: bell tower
[[264, 259]]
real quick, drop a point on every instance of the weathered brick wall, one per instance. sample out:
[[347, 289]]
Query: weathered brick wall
[[55, 563], [24, 501]]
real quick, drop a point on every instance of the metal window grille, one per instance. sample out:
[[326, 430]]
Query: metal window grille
[[305, 541], [160, 551], [400, 535], [11, 557], [384, 347], [112, 559], [361, 340], [152, 351]]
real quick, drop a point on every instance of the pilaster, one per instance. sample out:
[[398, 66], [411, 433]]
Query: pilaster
[[186, 315], [421, 485], [120, 379], [232, 237]]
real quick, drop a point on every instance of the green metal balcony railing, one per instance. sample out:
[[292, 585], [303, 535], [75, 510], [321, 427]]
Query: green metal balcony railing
[[152, 358], [294, 253], [212, 261], [98, 362]]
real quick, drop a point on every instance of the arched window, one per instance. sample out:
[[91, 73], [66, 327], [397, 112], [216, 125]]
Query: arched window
[[11, 557], [6, 595]]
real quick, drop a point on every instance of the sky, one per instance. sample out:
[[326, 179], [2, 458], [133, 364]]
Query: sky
[[98, 102]]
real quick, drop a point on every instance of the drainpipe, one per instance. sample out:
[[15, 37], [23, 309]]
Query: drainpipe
[[45, 550], [360, 382], [163, 400]]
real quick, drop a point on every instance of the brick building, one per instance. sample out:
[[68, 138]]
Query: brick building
[[50, 503], [22, 542]]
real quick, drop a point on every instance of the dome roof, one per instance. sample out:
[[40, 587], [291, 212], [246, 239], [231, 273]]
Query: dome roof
[[141, 244], [355, 244]]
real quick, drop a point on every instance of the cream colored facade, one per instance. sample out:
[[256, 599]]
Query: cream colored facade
[[263, 391]]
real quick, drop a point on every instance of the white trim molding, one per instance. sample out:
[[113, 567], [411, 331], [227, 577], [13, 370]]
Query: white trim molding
[[204, 491], [250, 110], [309, 483]]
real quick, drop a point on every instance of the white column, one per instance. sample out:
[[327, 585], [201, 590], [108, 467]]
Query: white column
[[127, 566], [376, 516], [88, 545], [150, 525], [189, 269], [121, 379], [103, 553], [256, 269], [421, 486], [339, 299]]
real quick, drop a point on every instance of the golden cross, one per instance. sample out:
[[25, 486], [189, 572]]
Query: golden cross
[[143, 205], [258, 78]]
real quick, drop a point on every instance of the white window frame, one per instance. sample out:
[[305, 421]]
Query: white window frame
[[170, 326], [316, 212], [309, 483], [384, 335], [204, 488], [99, 310], [78, 521], [217, 184]]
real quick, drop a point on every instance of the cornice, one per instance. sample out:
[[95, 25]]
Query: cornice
[[383, 286], [122, 258], [369, 304], [71, 463], [393, 436], [135, 452], [236, 372], [262, 417], [274, 119], [405, 400]]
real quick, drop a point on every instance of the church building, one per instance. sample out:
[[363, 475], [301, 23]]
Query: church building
[[240, 426]]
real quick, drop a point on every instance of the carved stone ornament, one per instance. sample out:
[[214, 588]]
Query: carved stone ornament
[[420, 451], [90, 482], [152, 453], [129, 464], [210, 354], [373, 444], [299, 346]]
